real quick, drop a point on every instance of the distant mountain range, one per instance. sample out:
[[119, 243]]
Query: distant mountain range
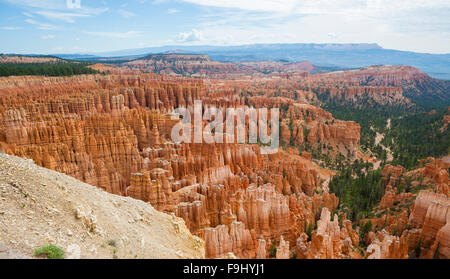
[[202, 65], [325, 55]]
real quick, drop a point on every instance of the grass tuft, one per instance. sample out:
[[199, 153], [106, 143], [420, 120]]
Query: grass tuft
[[52, 252]]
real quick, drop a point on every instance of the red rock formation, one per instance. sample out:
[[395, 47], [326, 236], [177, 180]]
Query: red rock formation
[[278, 67], [221, 240], [431, 214], [261, 249], [113, 131], [391, 197], [386, 246], [283, 249], [446, 122], [376, 85], [184, 64], [307, 124], [437, 170], [329, 241], [19, 59], [391, 174]]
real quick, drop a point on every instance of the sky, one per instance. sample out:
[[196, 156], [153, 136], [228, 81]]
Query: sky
[[89, 26]]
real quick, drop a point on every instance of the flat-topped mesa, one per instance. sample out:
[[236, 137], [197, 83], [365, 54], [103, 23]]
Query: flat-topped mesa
[[183, 64], [22, 59], [279, 67], [377, 75], [377, 85]]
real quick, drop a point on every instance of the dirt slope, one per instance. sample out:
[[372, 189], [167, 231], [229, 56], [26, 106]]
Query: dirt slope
[[39, 207]]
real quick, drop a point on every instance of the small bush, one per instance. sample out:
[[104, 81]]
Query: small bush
[[364, 229], [112, 243], [52, 252], [273, 250], [293, 255], [309, 231]]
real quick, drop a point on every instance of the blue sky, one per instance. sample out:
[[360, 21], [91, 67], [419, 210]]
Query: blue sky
[[86, 26]]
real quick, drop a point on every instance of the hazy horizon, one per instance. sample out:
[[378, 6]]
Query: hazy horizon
[[79, 26], [184, 47]]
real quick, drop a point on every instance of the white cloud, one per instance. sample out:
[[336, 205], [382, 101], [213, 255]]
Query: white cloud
[[40, 25], [389, 23], [324, 6], [42, 4], [28, 14], [251, 5], [73, 4], [48, 37], [415, 15], [64, 16], [126, 14], [57, 9], [10, 28], [192, 36], [118, 35], [332, 35], [418, 25], [58, 5]]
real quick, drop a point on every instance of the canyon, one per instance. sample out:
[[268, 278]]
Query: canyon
[[113, 131]]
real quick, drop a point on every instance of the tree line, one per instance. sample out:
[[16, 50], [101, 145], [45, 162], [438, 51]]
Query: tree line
[[46, 69]]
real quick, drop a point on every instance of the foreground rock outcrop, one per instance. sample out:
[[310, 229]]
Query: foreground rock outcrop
[[40, 207]]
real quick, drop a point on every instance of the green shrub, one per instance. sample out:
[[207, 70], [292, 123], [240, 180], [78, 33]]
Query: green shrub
[[293, 255], [364, 229], [273, 250], [52, 252], [112, 243], [309, 230]]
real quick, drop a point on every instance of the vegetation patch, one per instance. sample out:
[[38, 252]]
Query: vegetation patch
[[46, 69], [357, 196], [52, 252]]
